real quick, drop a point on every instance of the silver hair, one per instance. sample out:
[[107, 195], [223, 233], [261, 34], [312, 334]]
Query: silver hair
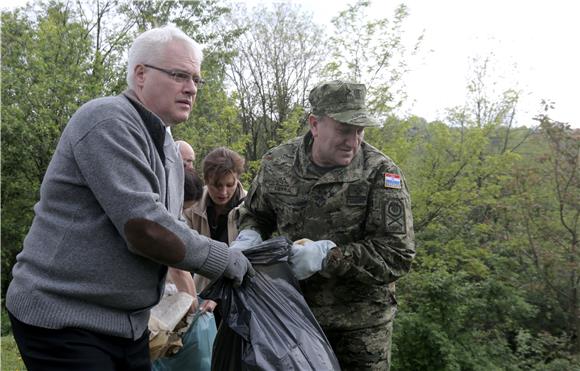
[[148, 46]]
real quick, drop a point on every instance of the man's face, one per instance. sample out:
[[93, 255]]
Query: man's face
[[160, 93], [335, 143], [188, 156]]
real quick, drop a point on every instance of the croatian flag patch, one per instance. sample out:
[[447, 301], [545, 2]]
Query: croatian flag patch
[[392, 181]]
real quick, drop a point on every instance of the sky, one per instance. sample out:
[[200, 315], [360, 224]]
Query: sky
[[532, 45]]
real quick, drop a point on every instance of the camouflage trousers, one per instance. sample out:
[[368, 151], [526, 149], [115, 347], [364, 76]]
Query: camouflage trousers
[[363, 349]]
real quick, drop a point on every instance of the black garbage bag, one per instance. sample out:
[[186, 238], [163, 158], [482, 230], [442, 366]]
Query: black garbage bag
[[267, 324]]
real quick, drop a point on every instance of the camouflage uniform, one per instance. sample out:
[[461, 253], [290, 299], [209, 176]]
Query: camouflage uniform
[[371, 223], [363, 207]]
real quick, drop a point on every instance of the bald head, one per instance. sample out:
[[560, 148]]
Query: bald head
[[187, 154]]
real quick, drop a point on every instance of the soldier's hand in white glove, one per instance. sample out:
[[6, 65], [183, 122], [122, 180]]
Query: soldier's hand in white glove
[[307, 257], [246, 239], [238, 267]]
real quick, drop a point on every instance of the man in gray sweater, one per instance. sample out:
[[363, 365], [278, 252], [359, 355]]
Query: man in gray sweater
[[108, 221]]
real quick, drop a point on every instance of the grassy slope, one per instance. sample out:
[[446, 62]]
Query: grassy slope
[[11, 360]]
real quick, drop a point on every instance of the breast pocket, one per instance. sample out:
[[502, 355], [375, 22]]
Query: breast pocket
[[290, 216], [350, 217], [348, 223], [341, 217]]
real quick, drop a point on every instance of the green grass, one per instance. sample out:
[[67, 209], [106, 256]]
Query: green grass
[[11, 360]]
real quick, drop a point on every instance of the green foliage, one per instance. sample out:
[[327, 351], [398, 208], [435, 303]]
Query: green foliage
[[212, 123], [370, 50], [496, 208], [252, 168], [295, 125], [4, 320], [543, 352], [396, 138], [278, 57], [36, 108], [496, 265], [11, 359], [545, 211], [449, 322]]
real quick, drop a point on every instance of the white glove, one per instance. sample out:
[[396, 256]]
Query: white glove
[[246, 239], [306, 257]]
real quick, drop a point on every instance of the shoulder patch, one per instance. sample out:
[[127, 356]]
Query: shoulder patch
[[394, 215], [392, 180]]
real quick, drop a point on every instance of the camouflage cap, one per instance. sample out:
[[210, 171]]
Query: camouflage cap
[[343, 101]]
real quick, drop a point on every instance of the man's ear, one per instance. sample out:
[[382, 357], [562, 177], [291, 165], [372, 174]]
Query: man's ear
[[139, 72], [313, 123]]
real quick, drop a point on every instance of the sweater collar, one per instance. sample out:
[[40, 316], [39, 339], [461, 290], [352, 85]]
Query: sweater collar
[[152, 122]]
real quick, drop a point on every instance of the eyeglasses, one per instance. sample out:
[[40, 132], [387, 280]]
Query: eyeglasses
[[180, 76]]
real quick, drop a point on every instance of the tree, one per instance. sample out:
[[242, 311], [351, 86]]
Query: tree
[[546, 211], [277, 57], [463, 305], [371, 52], [45, 66]]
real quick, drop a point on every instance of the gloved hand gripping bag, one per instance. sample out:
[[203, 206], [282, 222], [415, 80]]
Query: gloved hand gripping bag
[[267, 324]]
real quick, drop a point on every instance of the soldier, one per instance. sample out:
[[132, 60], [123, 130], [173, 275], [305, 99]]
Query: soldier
[[349, 207]]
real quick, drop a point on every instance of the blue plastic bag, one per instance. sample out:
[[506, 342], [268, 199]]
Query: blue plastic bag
[[197, 347]]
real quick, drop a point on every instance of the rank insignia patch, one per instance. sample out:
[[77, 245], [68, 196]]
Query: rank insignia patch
[[392, 181], [394, 216], [281, 186], [357, 194]]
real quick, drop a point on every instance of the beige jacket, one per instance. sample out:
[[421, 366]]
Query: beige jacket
[[196, 217]]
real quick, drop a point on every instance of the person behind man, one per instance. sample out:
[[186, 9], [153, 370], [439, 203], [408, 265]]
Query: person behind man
[[348, 208], [192, 188], [187, 154], [222, 168], [192, 192], [215, 214], [106, 226], [183, 282]]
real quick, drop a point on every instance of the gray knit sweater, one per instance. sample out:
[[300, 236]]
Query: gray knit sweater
[[77, 268]]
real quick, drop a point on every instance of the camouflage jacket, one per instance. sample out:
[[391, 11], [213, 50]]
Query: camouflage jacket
[[364, 208]]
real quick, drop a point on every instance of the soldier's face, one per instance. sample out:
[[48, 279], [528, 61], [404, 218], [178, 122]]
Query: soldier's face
[[335, 143]]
